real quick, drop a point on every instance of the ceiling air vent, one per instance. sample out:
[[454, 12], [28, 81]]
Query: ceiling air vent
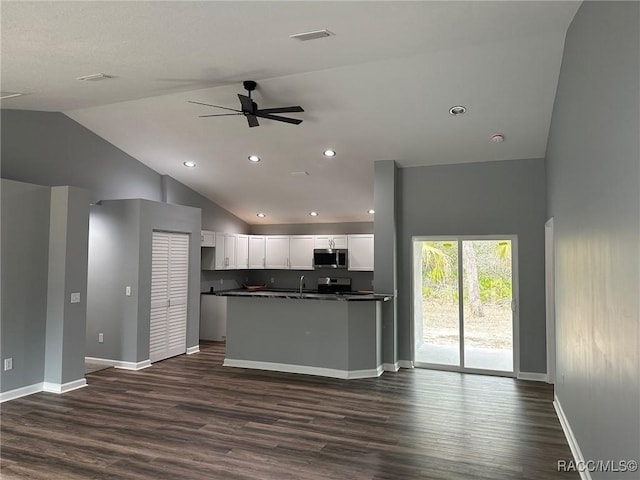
[[312, 35], [5, 95], [299, 174], [95, 77]]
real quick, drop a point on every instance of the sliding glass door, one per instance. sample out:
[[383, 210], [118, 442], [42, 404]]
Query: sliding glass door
[[464, 303]]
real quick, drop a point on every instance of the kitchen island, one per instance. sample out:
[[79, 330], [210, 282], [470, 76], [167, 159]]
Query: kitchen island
[[331, 335]]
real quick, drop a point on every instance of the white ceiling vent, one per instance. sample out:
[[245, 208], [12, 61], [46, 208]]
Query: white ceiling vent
[[299, 174], [312, 35], [95, 77], [5, 95]]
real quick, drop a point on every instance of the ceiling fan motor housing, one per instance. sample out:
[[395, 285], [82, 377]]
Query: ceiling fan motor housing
[[249, 85]]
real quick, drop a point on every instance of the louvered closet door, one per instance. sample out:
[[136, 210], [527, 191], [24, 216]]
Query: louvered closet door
[[169, 281]]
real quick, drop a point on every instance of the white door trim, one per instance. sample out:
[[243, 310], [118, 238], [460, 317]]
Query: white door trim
[[550, 301], [515, 273]]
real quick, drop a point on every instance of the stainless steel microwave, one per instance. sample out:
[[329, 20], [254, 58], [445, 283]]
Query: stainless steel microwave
[[330, 258]]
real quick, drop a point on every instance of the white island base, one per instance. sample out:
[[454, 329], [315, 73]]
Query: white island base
[[339, 339]]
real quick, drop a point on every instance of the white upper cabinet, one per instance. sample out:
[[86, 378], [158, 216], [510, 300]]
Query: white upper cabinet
[[242, 252], [256, 252], [277, 251], [207, 238], [330, 241], [295, 252], [361, 252], [225, 256], [301, 252]]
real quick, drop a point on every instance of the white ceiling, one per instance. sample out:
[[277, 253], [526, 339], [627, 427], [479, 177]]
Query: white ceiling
[[380, 89]]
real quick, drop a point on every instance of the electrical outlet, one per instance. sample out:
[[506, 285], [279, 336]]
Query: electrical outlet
[[8, 364], [272, 280], [221, 281], [75, 297], [127, 291], [101, 338]]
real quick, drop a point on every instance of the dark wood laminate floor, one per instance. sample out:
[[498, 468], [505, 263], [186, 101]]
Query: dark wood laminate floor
[[190, 418]]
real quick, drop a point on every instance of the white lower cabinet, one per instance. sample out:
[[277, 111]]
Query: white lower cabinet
[[301, 252], [361, 252], [213, 318], [277, 251]]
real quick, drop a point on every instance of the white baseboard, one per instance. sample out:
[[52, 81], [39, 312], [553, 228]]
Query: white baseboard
[[394, 367], [119, 363], [318, 371], [571, 439], [20, 392], [192, 350], [63, 387], [535, 377], [42, 387], [390, 367]]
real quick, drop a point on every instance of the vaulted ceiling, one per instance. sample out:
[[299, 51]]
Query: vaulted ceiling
[[379, 89]]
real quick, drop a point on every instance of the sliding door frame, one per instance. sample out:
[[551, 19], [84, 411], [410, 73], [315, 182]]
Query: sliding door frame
[[515, 309]]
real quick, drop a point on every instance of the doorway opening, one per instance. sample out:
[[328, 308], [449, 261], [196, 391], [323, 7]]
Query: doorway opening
[[464, 304]]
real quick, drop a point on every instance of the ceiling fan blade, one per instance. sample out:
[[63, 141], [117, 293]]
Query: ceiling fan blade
[[297, 108], [247, 104], [295, 121], [217, 106], [252, 120], [221, 115]]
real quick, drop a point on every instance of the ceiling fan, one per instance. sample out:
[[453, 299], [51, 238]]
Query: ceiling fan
[[250, 109]]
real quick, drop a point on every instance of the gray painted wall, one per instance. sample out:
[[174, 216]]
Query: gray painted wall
[[120, 247], [593, 164], [214, 217], [25, 258], [49, 148], [66, 321], [114, 259], [507, 198], [386, 254]]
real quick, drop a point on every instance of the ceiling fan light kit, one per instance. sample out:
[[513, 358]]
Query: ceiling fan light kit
[[250, 109]]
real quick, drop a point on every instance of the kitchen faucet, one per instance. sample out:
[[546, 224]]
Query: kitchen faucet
[[301, 283]]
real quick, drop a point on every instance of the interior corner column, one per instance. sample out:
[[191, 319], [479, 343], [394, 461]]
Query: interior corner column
[[385, 276], [67, 287]]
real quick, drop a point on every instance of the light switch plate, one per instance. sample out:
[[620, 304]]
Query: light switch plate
[[127, 291], [75, 297], [8, 364]]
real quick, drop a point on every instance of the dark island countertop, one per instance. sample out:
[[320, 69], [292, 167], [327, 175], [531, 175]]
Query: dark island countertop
[[349, 297]]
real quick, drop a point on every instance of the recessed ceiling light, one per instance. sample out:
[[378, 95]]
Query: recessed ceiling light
[[94, 77], [497, 138], [371, 211], [329, 153], [261, 215], [254, 158], [313, 214], [189, 164], [5, 95], [457, 110]]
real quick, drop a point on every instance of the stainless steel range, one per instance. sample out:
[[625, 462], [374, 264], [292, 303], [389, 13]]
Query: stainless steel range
[[334, 285]]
